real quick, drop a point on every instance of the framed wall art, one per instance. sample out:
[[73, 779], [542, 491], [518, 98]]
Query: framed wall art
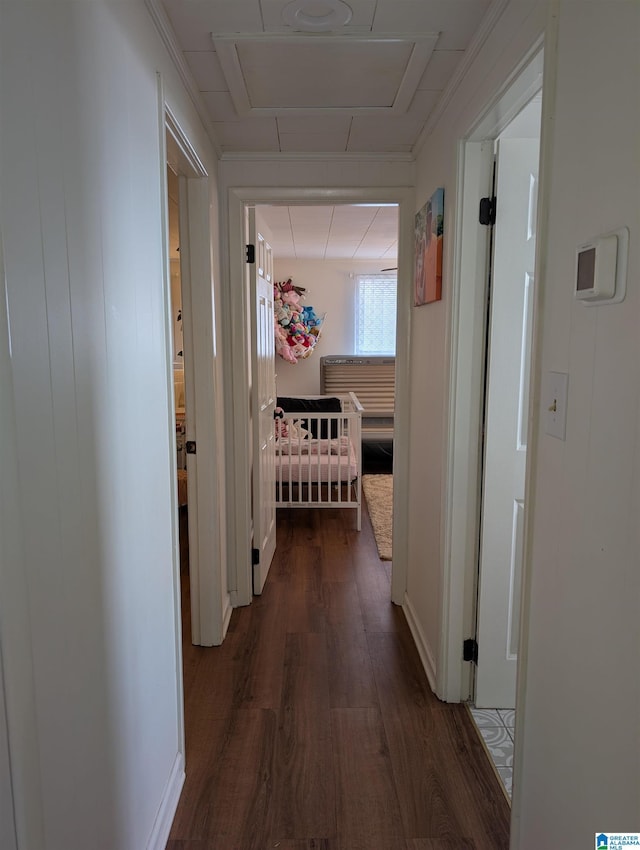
[[429, 231]]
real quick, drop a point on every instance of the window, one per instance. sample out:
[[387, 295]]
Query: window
[[376, 297]]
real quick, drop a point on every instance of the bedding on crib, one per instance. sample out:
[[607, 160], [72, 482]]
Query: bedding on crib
[[318, 452]]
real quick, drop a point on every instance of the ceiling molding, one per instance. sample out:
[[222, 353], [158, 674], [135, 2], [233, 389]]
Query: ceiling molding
[[168, 37], [254, 156], [226, 46], [483, 32]]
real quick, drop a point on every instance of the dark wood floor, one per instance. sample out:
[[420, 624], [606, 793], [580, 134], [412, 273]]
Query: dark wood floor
[[313, 726]]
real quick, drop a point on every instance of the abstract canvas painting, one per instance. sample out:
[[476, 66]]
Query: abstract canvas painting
[[429, 229]]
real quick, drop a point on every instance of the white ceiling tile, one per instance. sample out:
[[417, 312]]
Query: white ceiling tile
[[369, 130], [314, 124], [275, 216], [422, 104], [327, 74], [220, 105], [348, 215], [440, 68], [455, 20], [206, 70], [231, 16], [336, 251], [310, 216], [313, 142], [192, 23], [251, 134]]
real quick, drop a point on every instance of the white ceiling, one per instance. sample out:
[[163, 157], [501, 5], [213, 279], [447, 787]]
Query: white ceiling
[[321, 232], [364, 87]]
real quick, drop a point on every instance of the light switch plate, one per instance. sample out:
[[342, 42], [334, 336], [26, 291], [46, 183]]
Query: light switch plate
[[555, 404]]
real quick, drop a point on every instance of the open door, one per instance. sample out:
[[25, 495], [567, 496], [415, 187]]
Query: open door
[[509, 364], [263, 399]]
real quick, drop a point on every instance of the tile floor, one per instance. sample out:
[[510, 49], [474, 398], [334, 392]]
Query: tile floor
[[496, 727]]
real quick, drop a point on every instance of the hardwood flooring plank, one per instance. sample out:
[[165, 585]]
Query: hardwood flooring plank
[[336, 560], [351, 680], [470, 781], [368, 812], [258, 657], [400, 676], [425, 805], [313, 726], [232, 792], [304, 803], [305, 610], [440, 844]]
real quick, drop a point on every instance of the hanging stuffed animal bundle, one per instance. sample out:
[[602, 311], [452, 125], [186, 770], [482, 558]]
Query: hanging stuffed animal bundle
[[297, 327]]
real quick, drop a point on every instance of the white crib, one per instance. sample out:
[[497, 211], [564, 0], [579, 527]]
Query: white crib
[[319, 456]]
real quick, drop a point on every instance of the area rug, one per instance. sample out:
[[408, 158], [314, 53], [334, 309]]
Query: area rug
[[378, 491]]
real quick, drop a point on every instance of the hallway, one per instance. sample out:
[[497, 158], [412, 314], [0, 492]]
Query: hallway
[[313, 727]]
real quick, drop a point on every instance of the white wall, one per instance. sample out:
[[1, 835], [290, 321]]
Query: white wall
[[581, 712], [579, 749], [331, 287], [81, 223]]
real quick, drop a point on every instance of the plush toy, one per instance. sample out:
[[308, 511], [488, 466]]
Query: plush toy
[[297, 327]]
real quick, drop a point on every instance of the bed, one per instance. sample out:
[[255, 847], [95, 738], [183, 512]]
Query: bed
[[318, 452]]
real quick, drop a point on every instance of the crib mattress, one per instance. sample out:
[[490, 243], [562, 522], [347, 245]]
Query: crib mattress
[[319, 462]]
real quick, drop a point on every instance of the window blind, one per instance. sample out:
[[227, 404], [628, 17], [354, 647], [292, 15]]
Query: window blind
[[376, 297]]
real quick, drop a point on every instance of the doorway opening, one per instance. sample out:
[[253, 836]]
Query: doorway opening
[[509, 337], [334, 283], [319, 203], [494, 304]]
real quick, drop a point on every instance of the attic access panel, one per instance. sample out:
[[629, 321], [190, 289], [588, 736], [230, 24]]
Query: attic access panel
[[283, 75]]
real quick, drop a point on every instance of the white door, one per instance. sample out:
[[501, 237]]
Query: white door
[[509, 360], [263, 400]]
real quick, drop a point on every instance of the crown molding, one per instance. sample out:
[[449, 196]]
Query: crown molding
[[275, 156], [489, 21], [168, 37]]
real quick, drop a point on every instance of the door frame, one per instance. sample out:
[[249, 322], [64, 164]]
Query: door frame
[[454, 681], [236, 389], [210, 608]]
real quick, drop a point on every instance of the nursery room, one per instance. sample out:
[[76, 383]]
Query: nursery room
[[338, 264]]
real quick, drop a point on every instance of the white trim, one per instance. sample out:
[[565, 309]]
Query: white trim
[[166, 813], [171, 410], [237, 396], [318, 156], [462, 451], [477, 42], [424, 651], [226, 49], [462, 490], [544, 194], [168, 38]]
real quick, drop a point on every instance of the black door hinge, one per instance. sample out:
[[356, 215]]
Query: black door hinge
[[251, 253], [470, 650], [255, 557], [487, 213], [190, 446]]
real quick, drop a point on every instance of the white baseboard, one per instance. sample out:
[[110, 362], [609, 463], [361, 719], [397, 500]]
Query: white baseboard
[[227, 611], [166, 813], [426, 656]]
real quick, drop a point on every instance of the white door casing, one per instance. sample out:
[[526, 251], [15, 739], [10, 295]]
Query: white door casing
[[509, 369], [263, 398]]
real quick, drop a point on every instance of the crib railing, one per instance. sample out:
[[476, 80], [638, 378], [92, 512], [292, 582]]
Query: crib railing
[[318, 458]]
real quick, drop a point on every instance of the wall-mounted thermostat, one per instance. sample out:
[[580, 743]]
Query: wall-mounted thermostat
[[601, 269]]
